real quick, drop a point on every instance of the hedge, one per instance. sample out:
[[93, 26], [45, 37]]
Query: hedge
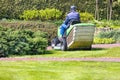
[[49, 28], [85, 17], [46, 14], [52, 14], [104, 23], [22, 42], [103, 40], [112, 36]]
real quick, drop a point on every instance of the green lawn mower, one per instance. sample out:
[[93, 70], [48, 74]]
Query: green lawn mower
[[77, 36]]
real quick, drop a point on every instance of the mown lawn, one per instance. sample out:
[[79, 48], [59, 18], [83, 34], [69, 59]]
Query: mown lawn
[[111, 52], [51, 70], [60, 70]]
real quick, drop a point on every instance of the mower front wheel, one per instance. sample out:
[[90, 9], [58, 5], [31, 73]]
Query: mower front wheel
[[54, 42]]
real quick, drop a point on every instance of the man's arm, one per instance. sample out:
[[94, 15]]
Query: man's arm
[[79, 17], [66, 20]]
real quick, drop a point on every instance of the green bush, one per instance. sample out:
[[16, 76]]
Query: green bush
[[46, 14], [22, 42], [57, 22], [114, 34], [85, 17], [115, 24], [105, 23], [106, 34], [117, 36], [49, 28], [50, 14], [103, 41], [30, 14]]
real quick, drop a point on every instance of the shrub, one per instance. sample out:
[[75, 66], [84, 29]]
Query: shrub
[[105, 23], [117, 36], [115, 24], [103, 41], [49, 28], [85, 17], [47, 14], [114, 34], [30, 14], [21, 42], [106, 34], [57, 22], [50, 14]]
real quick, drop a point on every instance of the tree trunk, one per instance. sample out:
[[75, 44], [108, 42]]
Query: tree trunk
[[97, 11], [108, 9], [110, 17]]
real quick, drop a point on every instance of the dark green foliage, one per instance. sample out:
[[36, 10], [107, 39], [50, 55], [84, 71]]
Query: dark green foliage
[[12, 9], [49, 28], [105, 23], [22, 42], [117, 36], [114, 34], [107, 34], [57, 22]]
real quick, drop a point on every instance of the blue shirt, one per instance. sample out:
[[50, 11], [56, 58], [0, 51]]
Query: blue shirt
[[72, 15]]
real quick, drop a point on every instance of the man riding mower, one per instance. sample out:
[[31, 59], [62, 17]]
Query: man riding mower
[[69, 33]]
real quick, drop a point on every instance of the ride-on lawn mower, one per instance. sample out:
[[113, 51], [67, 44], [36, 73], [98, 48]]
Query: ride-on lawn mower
[[77, 36]]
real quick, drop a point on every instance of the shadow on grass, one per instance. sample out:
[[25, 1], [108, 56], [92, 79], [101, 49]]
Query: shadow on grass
[[49, 52], [95, 49], [45, 53], [92, 49]]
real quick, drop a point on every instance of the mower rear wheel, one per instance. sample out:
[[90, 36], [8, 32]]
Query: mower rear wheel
[[64, 44]]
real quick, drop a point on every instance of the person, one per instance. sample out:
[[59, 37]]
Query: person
[[72, 16]]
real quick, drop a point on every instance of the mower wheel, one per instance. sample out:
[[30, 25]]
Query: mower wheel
[[54, 42], [64, 44]]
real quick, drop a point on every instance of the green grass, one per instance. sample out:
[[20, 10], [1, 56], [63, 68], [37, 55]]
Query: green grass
[[60, 70], [31, 70], [111, 52]]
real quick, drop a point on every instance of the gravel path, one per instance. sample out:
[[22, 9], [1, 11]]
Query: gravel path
[[104, 59], [105, 45]]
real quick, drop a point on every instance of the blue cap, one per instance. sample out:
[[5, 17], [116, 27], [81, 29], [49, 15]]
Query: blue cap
[[73, 8]]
